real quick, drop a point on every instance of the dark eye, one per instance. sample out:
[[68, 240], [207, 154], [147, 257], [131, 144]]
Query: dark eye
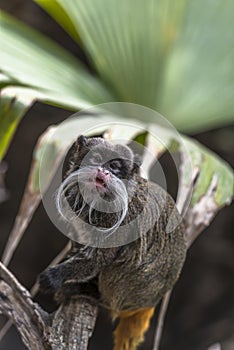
[[115, 164]]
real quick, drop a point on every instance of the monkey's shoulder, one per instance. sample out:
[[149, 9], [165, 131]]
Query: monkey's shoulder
[[156, 202]]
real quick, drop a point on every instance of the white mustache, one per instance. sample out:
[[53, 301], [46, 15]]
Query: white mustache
[[88, 195]]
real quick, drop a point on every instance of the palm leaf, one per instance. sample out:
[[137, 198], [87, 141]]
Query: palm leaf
[[35, 61], [60, 15], [174, 60], [4, 80], [13, 105], [197, 91], [126, 41], [175, 57]]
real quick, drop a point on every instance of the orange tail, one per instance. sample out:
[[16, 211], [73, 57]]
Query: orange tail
[[131, 328]]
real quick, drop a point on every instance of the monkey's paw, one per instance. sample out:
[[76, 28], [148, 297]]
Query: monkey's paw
[[51, 280]]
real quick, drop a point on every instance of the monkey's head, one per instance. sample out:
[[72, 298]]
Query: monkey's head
[[99, 183]]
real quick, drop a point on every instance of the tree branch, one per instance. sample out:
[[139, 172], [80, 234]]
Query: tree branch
[[35, 287], [69, 328], [73, 325], [28, 317]]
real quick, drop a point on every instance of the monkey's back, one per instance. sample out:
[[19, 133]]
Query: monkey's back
[[144, 270]]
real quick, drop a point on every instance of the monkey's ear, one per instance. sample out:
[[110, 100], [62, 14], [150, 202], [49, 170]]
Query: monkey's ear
[[137, 161], [81, 141]]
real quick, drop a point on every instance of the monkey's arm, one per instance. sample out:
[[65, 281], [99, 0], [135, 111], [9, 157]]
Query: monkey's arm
[[75, 269]]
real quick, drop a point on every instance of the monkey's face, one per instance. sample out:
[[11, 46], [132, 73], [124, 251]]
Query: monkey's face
[[98, 182]]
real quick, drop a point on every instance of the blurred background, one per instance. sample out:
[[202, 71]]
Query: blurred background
[[201, 310]]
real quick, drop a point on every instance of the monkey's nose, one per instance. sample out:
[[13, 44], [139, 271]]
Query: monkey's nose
[[103, 173]]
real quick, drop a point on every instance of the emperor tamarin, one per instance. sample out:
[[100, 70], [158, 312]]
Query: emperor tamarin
[[130, 245]]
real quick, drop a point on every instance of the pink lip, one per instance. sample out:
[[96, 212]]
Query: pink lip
[[101, 179], [100, 183]]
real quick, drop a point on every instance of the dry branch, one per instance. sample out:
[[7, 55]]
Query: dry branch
[[28, 317], [69, 328], [35, 287], [73, 325]]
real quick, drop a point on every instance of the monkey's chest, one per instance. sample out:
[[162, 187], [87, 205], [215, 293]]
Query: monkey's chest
[[131, 287]]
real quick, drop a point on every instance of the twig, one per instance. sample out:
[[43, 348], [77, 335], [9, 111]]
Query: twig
[[28, 206], [31, 198], [161, 318], [215, 346], [6, 327]]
